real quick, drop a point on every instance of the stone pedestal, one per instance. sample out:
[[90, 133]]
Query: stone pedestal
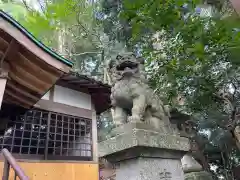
[[143, 153], [193, 170], [202, 175]]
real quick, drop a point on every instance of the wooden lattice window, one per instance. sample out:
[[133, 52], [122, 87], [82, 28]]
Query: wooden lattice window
[[47, 135]]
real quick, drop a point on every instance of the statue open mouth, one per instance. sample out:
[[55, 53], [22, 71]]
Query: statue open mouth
[[127, 64]]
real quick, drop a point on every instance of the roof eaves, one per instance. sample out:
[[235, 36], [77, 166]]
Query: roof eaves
[[33, 39], [76, 74]]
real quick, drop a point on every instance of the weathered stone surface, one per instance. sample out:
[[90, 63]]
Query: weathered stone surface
[[193, 170], [127, 128], [142, 138], [150, 169], [131, 97], [198, 176], [142, 152], [189, 164]]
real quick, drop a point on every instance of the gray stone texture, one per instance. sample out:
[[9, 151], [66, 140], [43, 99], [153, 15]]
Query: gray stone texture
[[128, 127], [141, 152], [193, 170], [150, 169], [142, 138], [131, 97], [198, 176], [189, 164]]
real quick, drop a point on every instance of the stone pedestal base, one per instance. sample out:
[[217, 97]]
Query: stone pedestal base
[[141, 153], [198, 176], [149, 169]]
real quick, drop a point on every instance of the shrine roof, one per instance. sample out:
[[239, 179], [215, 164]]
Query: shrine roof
[[32, 67], [99, 91]]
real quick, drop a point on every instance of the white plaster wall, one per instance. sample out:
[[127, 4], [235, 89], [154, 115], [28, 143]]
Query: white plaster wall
[[71, 97], [46, 96]]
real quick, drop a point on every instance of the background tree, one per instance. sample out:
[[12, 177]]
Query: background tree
[[192, 49]]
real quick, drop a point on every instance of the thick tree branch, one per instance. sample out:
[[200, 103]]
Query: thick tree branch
[[26, 5], [41, 6], [86, 31], [84, 53]]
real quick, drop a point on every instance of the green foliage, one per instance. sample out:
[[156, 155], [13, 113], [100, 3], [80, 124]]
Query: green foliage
[[186, 54], [15, 9], [191, 55], [116, 28], [105, 125], [73, 20]]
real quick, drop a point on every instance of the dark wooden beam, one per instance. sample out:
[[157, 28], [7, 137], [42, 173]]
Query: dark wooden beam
[[24, 83], [10, 100], [19, 98], [3, 44], [11, 49], [33, 68], [18, 89], [25, 75]]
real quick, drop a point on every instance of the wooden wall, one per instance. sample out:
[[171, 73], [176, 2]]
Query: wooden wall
[[236, 5], [57, 171]]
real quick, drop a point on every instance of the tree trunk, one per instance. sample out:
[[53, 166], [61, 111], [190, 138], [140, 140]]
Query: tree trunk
[[236, 134], [107, 78]]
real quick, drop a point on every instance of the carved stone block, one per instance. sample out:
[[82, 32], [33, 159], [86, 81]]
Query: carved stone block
[[150, 169], [132, 98], [198, 176], [190, 164], [127, 128], [141, 152], [143, 138]]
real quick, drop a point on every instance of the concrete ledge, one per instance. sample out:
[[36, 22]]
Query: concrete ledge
[[143, 138], [198, 176], [128, 127]]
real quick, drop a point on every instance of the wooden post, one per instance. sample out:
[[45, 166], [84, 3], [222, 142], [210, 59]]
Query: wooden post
[[94, 137], [6, 170], [3, 82], [47, 137]]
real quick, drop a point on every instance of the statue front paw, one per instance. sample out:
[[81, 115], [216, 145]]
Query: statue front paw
[[134, 119]]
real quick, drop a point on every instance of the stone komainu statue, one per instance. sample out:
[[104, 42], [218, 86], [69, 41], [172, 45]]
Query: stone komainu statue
[[132, 99]]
